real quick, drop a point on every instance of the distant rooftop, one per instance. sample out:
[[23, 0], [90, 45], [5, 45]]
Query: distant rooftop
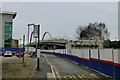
[[8, 13]]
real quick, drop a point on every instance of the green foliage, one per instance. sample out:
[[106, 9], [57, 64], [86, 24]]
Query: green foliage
[[111, 44]]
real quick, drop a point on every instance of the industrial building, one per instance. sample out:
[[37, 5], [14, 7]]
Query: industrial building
[[6, 28]]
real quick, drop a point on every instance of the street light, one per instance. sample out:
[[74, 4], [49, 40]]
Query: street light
[[36, 33], [23, 46], [27, 58], [28, 30]]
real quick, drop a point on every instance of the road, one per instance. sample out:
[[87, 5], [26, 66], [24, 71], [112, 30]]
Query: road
[[67, 69]]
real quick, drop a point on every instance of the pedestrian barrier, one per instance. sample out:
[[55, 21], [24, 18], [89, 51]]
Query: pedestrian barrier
[[116, 67], [94, 59], [106, 61]]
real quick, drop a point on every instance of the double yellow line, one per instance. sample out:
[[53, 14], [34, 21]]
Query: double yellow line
[[71, 77], [55, 69], [84, 76]]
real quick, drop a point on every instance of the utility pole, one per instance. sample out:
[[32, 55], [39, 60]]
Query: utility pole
[[27, 58], [36, 35], [23, 47], [38, 47]]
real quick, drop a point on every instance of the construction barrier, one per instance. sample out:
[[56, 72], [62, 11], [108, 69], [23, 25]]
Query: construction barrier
[[13, 50], [106, 61]]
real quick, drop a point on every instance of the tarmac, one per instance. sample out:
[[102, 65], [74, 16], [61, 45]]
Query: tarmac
[[53, 68], [44, 69], [65, 68]]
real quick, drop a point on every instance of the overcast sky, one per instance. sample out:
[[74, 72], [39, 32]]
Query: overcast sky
[[62, 18]]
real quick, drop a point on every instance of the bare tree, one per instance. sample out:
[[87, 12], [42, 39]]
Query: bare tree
[[92, 31]]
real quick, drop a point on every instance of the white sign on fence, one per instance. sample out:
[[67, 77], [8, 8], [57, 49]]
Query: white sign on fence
[[38, 53], [35, 32]]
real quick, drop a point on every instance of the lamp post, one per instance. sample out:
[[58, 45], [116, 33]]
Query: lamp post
[[36, 34], [27, 58], [29, 29], [23, 46]]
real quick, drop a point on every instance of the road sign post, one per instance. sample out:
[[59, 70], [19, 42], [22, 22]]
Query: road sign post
[[23, 47], [38, 31], [36, 35], [38, 59], [38, 53]]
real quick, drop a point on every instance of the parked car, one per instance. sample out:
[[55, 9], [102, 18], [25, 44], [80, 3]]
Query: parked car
[[8, 54]]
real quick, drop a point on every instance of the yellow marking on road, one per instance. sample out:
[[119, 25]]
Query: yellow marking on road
[[80, 76], [46, 58], [70, 76], [43, 59], [89, 76], [56, 71], [65, 78], [74, 77], [93, 76], [58, 74], [85, 76]]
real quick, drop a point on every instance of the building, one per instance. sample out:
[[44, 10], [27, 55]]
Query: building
[[6, 28], [83, 44], [14, 43]]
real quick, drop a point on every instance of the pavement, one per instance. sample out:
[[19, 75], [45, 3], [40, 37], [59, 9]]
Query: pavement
[[15, 59], [63, 69], [44, 69], [13, 67]]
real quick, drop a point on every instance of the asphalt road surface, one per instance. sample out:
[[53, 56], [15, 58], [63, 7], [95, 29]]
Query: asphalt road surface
[[66, 69]]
